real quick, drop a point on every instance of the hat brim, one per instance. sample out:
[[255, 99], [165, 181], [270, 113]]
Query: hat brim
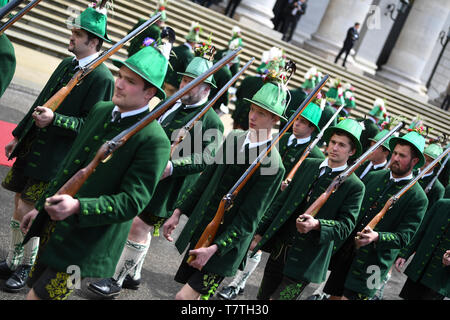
[[193, 76], [160, 92], [329, 132], [103, 37], [383, 145], [393, 142], [262, 105]]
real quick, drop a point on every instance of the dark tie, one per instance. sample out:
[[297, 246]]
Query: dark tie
[[75, 65], [116, 117], [326, 172]]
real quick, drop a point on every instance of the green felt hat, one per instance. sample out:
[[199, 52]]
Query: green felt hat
[[433, 150], [381, 135], [349, 99], [352, 128], [312, 113], [93, 22], [312, 78], [196, 67], [162, 8], [335, 97], [416, 140], [194, 33], [150, 64], [271, 98], [3, 3]]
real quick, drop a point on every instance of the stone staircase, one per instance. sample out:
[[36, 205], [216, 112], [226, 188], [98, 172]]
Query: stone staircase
[[45, 29]]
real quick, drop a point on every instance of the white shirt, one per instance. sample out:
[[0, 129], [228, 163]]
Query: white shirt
[[370, 166], [178, 105], [129, 113], [401, 179], [293, 139], [325, 164], [427, 174], [252, 144], [86, 60]]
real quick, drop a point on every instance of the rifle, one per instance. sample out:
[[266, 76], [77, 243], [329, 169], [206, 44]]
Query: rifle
[[105, 152], [226, 203], [392, 200], [55, 101], [430, 185], [11, 6], [339, 180], [184, 131], [308, 149]]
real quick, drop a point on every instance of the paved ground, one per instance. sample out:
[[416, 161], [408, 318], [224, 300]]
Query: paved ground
[[161, 263]]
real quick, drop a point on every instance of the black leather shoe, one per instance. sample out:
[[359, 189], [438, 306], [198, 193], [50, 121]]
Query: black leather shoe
[[130, 283], [107, 288], [5, 271], [228, 293], [18, 279]]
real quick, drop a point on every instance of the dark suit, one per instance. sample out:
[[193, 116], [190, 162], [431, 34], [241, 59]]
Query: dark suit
[[352, 36], [291, 18]]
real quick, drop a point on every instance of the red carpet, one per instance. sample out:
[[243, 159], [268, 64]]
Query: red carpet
[[5, 137]]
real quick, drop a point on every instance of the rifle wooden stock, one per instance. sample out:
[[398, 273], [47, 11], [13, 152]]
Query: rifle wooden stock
[[392, 200], [73, 185], [337, 181], [193, 121], [226, 203], [18, 15], [308, 149]]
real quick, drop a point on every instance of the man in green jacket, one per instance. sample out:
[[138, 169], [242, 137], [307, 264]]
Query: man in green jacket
[[371, 128], [300, 251], [89, 230], [185, 166], [200, 202], [429, 271], [363, 264], [43, 137], [291, 148]]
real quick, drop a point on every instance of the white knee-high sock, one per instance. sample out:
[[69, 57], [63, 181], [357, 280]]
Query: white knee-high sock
[[136, 272], [131, 255], [15, 253], [30, 252], [242, 276]]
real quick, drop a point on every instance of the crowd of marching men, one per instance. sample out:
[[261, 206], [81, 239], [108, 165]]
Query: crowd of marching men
[[97, 173]]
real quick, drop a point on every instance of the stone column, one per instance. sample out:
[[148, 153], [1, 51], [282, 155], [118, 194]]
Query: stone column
[[415, 44], [339, 16], [257, 14]]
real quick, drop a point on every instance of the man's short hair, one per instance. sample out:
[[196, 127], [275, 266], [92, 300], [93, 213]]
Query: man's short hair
[[92, 37], [343, 133]]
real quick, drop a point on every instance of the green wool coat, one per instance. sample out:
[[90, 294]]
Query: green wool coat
[[7, 63], [53, 142], [190, 160], [437, 190], [310, 254], [178, 62], [136, 43], [247, 89], [200, 202], [447, 192], [110, 198], [395, 230], [429, 244], [370, 130]]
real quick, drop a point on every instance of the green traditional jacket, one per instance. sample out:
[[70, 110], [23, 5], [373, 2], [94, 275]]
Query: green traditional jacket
[[7, 62], [395, 230], [447, 192], [310, 254], [110, 198], [53, 142], [370, 130], [178, 62], [247, 89], [200, 202], [196, 151], [437, 190], [221, 77], [136, 43], [429, 244]]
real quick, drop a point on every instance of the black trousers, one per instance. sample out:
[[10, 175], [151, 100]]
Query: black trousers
[[347, 51], [231, 7]]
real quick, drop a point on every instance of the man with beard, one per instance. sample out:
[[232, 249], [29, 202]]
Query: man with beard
[[43, 137], [355, 261]]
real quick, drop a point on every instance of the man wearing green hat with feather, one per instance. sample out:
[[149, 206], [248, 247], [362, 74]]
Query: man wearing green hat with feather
[[7, 59], [44, 137], [200, 202], [377, 114], [300, 251], [89, 230], [380, 247]]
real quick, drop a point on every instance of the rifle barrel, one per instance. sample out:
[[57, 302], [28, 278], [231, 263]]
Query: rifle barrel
[[10, 6], [18, 15]]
